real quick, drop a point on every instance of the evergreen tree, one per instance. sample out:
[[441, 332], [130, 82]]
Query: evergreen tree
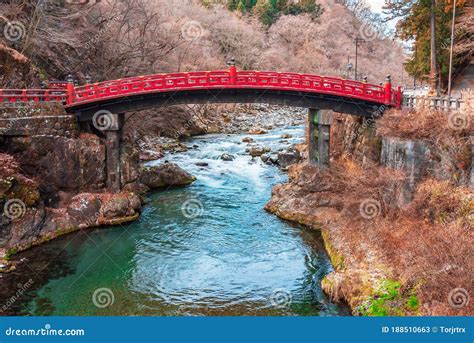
[[415, 25]]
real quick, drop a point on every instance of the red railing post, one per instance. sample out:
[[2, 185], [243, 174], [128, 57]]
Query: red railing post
[[388, 90], [232, 72], [70, 90]]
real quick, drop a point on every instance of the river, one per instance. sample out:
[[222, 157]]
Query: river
[[205, 249]]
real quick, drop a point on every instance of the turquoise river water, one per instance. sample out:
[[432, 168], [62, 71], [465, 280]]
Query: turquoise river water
[[205, 249]]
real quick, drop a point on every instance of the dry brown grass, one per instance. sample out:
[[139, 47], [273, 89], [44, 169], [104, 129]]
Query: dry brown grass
[[426, 245], [447, 136], [426, 124]]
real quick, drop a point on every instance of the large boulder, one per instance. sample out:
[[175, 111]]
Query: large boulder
[[166, 174], [121, 206], [61, 164], [286, 158]]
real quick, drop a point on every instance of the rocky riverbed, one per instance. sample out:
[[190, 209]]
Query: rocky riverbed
[[56, 184], [251, 119]]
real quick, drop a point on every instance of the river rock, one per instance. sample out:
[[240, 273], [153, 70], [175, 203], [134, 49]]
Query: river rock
[[273, 159], [150, 155], [121, 206], [285, 136], [247, 140], [175, 147], [227, 157], [202, 164], [286, 158], [166, 174], [256, 151], [257, 132], [84, 208]]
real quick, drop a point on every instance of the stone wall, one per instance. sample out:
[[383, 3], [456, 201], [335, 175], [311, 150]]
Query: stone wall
[[357, 138], [64, 126], [354, 136], [409, 156]]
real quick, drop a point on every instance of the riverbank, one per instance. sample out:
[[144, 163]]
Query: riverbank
[[400, 241]]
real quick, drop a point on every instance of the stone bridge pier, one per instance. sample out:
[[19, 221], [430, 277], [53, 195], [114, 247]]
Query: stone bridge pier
[[111, 124], [319, 126]]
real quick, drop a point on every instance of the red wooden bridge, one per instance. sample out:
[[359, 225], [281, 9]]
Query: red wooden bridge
[[223, 86], [104, 104]]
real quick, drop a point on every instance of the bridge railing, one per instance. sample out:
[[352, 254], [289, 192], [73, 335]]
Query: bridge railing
[[432, 102], [243, 79], [221, 79], [13, 97]]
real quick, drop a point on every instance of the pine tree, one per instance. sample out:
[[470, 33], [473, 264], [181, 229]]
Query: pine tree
[[415, 25]]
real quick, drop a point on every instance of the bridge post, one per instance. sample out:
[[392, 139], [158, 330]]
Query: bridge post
[[388, 90], [113, 137], [70, 90], [319, 136]]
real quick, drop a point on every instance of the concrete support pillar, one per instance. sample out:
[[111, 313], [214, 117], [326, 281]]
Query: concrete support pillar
[[113, 142], [319, 135]]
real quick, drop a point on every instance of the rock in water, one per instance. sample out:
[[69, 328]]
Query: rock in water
[[166, 174], [256, 151], [227, 157], [273, 159], [257, 132], [247, 140]]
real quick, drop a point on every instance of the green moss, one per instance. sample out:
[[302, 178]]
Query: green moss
[[122, 220], [10, 252], [42, 74], [413, 303], [66, 230], [388, 300], [337, 259]]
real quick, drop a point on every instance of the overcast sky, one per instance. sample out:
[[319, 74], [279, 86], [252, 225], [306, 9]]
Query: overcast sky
[[376, 6]]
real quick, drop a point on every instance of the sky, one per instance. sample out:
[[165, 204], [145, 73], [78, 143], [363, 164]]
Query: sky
[[376, 6]]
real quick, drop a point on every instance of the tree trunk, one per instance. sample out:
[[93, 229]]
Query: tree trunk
[[433, 71]]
